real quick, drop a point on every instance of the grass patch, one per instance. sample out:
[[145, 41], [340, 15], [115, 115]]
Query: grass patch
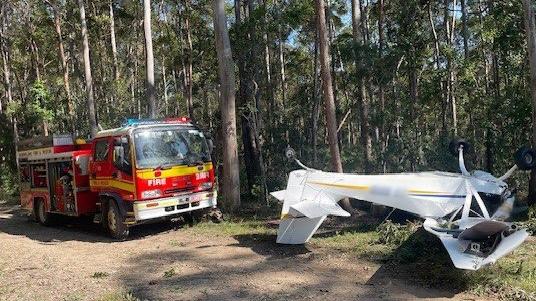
[[361, 244], [232, 228], [170, 273], [118, 296], [176, 243], [75, 297], [99, 275]]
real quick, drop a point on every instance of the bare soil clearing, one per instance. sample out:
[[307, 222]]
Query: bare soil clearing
[[77, 262]]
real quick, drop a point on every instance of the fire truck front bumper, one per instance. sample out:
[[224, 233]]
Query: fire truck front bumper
[[153, 209]]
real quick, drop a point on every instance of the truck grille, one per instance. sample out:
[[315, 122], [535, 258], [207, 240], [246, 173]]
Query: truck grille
[[177, 190]]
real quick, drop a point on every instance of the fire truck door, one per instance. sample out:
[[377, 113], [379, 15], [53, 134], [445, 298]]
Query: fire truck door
[[122, 160], [102, 169]]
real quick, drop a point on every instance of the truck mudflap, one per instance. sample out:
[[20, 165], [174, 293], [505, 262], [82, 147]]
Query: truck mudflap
[[152, 209]]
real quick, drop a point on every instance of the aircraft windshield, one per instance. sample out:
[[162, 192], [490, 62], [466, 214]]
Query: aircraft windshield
[[163, 148]]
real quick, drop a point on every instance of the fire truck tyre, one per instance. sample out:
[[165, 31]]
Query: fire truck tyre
[[115, 222], [525, 158], [193, 217], [43, 217], [32, 215]]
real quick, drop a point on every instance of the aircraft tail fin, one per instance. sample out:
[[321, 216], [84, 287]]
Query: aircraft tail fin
[[297, 230], [304, 209]]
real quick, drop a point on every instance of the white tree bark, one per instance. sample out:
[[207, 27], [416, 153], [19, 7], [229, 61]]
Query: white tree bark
[[87, 71], [149, 58], [231, 176]]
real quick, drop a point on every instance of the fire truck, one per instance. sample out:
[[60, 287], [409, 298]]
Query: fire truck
[[142, 171]]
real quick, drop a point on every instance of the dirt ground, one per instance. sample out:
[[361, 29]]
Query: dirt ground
[[77, 262]]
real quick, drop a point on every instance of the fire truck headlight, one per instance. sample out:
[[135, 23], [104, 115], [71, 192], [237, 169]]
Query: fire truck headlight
[[151, 194], [206, 185]]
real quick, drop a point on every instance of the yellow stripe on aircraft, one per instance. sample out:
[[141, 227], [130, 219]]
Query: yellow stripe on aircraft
[[349, 186]]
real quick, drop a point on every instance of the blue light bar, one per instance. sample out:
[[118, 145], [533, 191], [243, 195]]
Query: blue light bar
[[135, 121]]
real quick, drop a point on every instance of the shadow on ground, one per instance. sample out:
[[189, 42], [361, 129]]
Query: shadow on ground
[[14, 221], [256, 268], [422, 260]]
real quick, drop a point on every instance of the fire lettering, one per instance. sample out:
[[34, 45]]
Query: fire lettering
[[155, 182]]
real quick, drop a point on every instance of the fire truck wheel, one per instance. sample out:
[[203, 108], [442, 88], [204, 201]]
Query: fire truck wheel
[[115, 222], [43, 217], [32, 216]]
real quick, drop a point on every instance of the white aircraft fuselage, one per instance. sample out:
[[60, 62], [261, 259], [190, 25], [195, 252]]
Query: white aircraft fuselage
[[450, 204]]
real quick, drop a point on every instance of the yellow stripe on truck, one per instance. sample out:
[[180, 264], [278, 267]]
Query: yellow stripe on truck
[[175, 171], [112, 183]]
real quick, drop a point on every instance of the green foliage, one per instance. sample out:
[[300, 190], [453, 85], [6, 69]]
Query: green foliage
[[33, 113], [9, 183], [169, 273], [395, 234], [99, 275], [530, 223]]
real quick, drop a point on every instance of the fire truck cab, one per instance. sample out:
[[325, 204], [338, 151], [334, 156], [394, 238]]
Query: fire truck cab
[[142, 171]]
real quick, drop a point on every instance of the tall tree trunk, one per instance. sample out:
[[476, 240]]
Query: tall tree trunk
[[87, 72], [5, 56], [64, 66], [327, 88], [149, 59], [189, 69], [281, 47], [248, 98], [267, 68], [316, 103], [530, 28], [165, 84], [356, 21], [464, 29], [112, 42], [381, 89], [359, 39], [5, 53], [413, 96], [231, 176]]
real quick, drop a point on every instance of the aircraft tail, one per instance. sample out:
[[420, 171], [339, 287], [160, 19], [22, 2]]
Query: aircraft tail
[[304, 209]]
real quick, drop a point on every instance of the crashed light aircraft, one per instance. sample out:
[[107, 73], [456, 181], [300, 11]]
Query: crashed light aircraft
[[451, 205]]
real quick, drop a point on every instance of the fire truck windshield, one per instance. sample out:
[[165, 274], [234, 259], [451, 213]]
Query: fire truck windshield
[[164, 148]]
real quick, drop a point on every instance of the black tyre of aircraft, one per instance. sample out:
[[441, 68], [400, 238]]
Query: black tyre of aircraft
[[455, 144], [525, 158]]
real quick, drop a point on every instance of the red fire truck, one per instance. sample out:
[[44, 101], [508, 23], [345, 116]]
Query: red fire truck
[[142, 171]]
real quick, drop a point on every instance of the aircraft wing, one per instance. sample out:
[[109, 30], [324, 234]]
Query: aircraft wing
[[315, 195]]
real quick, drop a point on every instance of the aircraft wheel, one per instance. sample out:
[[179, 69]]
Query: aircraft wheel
[[115, 222], [455, 144], [525, 158]]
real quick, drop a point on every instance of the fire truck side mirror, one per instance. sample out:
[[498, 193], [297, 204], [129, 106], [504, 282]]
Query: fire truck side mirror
[[119, 155]]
